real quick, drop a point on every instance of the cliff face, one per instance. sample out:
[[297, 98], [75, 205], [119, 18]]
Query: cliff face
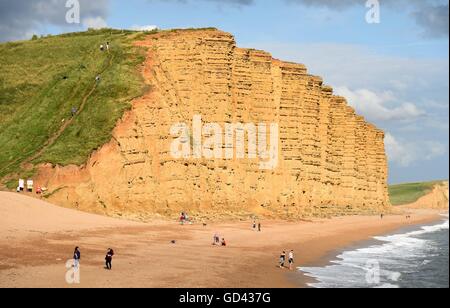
[[331, 161]]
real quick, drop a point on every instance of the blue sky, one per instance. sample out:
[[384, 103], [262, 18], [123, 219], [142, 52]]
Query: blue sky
[[395, 73]]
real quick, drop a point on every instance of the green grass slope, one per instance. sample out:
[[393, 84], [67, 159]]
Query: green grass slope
[[41, 80], [408, 193]]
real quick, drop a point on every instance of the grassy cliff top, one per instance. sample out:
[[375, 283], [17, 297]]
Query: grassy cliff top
[[408, 193], [41, 80]]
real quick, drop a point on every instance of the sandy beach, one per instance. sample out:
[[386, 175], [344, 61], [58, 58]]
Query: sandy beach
[[37, 239]]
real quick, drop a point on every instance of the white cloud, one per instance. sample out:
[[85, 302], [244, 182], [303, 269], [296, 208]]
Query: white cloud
[[375, 106], [397, 152], [95, 22], [144, 28], [406, 153]]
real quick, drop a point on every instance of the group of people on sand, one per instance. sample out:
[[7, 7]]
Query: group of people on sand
[[108, 258], [257, 226], [184, 218], [290, 259], [408, 217], [218, 242]]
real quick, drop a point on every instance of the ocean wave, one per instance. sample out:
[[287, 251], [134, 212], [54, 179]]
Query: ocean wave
[[408, 237]]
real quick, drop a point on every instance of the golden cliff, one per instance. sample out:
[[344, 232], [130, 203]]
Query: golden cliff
[[331, 161]]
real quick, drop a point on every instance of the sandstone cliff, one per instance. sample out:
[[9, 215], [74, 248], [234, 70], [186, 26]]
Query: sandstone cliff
[[331, 161]]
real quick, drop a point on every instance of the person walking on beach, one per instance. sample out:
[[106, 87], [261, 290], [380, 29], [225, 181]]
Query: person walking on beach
[[282, 259], [254, 224], [291, 259], [259, 227], [76, 258], [108, 258]]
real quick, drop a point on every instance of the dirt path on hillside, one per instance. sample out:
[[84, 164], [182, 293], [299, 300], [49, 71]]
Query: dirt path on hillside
[[66, 124]]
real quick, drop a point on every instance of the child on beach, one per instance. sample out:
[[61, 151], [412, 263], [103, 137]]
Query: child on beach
[[224, 243], [291, 259], [282, 259]]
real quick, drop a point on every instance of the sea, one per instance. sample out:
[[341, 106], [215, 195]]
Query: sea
[[413, 258]]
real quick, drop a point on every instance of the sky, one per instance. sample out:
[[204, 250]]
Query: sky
[[395, 72]]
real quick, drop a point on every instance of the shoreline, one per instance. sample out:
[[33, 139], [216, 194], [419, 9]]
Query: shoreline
[[327, 260], [36, 240]]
